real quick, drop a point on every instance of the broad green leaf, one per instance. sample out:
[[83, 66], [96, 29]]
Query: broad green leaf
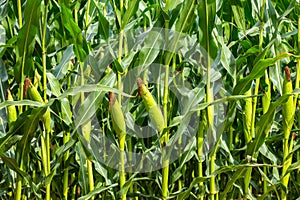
[[206, 16], [150, 49], [82, 174], [97, 190], [237, 175], [239, 15], [24, 145], [66, 113], [195, 181], [103, 25], [263, 127], [131, 10], [60, 70], [54, 84], [2, 37], [186, 16], [26, 37], [80, 46], [258, 71]]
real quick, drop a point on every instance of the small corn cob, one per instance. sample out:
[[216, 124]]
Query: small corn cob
[[34, 95], [11, 110], [117, 116], [152, 108], [32, 92], [288, 107], [288, 111]]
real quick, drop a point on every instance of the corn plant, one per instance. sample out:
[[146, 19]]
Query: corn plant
[[150, 99]]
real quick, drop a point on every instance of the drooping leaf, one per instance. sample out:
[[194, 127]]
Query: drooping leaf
[[131, 10], [80, 46], [26, 37], [60, 70], [258, 71]]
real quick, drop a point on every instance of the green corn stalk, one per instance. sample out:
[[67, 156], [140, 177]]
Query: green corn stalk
[[297, 86], [33, 94], [248, 117], [152, 108], [119, 126], [11, 110], [288, 111], [247, 123], [158, 121], [11, 118]]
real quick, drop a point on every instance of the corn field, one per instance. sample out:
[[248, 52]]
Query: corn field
[[158, 99]]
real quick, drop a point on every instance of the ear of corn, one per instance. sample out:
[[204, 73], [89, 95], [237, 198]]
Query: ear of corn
[[288, 111], [34, 95], [117, 116], [152, 108], [32, 92], [11, 110], [288, 107]]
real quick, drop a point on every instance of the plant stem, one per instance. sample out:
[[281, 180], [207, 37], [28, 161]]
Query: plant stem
[[66, 138], [47, 139], [122, 173], [18, 192], [86, 130], [254, 100], [297, 86], [44, 52], [210, 109], [45, 163], [200, 137], [20, 14], [87, 15], [122, 138], [165, 139]]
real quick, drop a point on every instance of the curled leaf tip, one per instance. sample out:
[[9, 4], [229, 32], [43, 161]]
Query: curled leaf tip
[[287, 73]]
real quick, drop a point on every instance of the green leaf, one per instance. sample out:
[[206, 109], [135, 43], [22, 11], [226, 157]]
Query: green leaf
[[131, 10], [82, 174], [66, 113], [183, 23], [263, 126], [103, 25], [206, 16], [80, 45], [97, 190], [54, 84], [258, 71], [151, 48], [237, 175], [239, 14], [26, 37], [23, 146], [60, 70]]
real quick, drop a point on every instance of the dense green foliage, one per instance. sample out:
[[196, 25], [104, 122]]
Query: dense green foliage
[[60, 59]]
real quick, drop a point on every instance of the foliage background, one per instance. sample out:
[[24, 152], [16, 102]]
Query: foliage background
[[58, 44]]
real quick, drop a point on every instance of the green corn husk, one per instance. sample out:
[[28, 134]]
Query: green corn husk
[[288, 111], [288, 107], [117, 116], [11, 110], [152, 108], [32, 92], [34, 95]]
